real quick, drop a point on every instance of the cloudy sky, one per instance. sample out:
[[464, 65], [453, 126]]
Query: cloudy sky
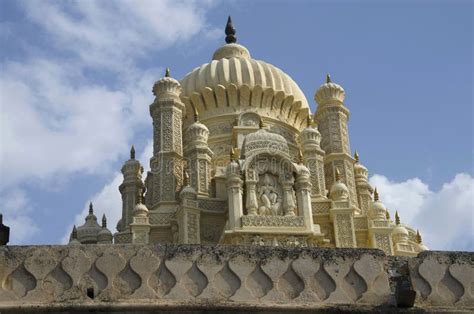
[[76, 79]]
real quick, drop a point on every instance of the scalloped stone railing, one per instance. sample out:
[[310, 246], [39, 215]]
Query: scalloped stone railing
[[184, 277]]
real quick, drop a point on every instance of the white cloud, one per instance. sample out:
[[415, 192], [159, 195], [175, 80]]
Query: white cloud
[[57, 117], [16, 208], [108, 33], [444, 217], [108, 201]]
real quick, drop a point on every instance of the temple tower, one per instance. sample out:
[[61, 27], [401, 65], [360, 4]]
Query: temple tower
[[313, 157], [332, 117], [132, 183], [167, 161]]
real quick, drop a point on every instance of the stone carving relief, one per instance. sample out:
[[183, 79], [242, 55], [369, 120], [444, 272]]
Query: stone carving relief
[[269, 198]]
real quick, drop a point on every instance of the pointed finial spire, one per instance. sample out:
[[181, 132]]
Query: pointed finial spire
[[104, 221], [387, 215], [233, 157], [376, 195], [397, 218], [338, 175], [261, 124], [356, 157], [309, 120], [418, 237], [74, 233], [300, 157], [328, 78], [132, 152], [230, 32], [185, 177], [167, 72], [91, 208]]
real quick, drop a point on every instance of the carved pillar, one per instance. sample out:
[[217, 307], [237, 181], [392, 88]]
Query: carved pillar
[[199, 157], [364, 190], [314, 159], [234, 194], [341, 215], [332, 117], [167, 161], [303, 195], [379, 227], [251, 203], [189, 224], [289, 205], [140, 227]]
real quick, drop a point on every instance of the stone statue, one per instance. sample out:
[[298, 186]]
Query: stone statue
[[268, 196]]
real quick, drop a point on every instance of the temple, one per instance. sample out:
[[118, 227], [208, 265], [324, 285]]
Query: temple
[[239, 158]]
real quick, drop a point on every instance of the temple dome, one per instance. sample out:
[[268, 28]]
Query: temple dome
[[233, 65], [263, 141]]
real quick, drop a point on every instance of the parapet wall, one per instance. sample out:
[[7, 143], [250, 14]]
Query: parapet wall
[[183, 277]]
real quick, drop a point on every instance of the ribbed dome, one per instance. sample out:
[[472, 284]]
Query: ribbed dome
[[263, 141], [232, 64]]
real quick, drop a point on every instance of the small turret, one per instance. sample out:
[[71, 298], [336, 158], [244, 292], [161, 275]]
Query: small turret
[[104, 236], [377, 210], [87, 233], [73, 237], [329, 92], [339, 191], [399, 233], [419, 241]]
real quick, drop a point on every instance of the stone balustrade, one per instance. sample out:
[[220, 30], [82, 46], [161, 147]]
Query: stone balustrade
[[153, 277]]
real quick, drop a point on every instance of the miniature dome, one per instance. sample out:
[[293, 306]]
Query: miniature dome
[[377, 210], [167, 86], [399, 234], [360, 171], [329, 92], [339, 191], [187, 192], [310, 135], [263, 141], [140, 210], [197, 132], [87, 233], [104, 235]]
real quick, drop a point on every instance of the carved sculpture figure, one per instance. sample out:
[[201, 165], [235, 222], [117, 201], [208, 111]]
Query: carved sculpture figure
[[269, 198]]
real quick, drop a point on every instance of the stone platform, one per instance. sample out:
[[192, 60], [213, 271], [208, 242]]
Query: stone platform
[[194, 278]]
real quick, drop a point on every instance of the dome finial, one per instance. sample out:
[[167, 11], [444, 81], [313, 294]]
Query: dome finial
[[338, 175], [196, 115], [328, 78], [376, 195], [309, 120], [261, 124], [132, 152], [91, 208], [418, 237], [104, 221], [74, 233], [233, 156], [167, 72], [356, 156], [230, 32], [397, 218], [387, 215], [300, 157]]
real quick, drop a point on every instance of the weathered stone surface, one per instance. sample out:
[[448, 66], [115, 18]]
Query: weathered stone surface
[[183, 277]]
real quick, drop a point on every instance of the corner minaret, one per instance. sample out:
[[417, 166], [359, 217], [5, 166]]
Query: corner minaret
[[167, 161], [332, 117], [132, 183], [310, 139]]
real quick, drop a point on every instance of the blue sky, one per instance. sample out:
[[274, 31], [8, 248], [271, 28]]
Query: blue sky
[[76, 78]]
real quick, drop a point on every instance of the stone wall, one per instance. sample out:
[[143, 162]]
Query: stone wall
[[184, 277]]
